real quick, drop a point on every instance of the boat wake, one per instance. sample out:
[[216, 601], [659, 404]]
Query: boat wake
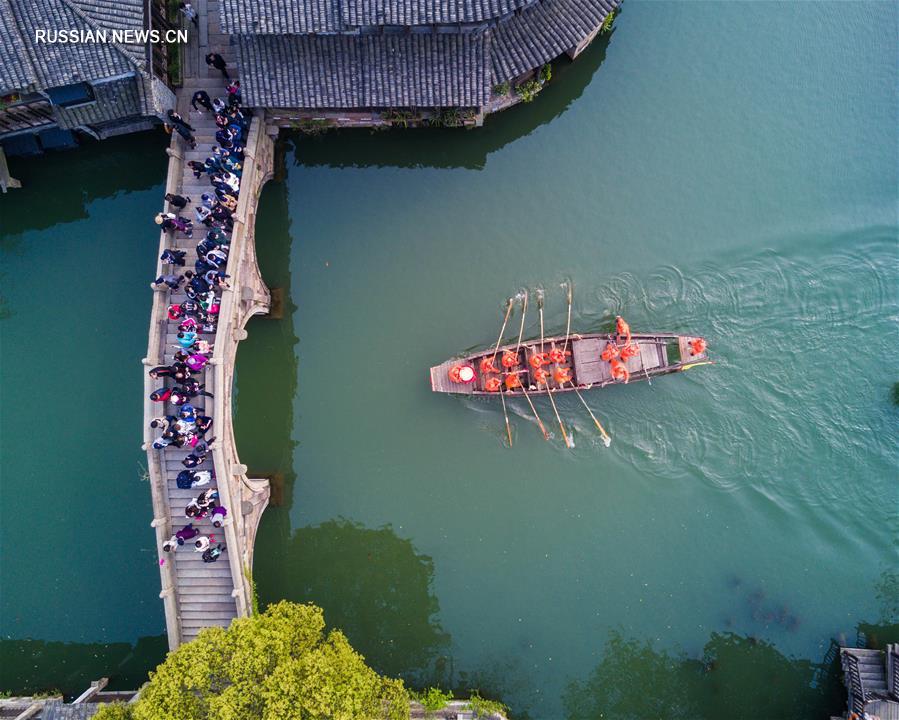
[[805, 341]]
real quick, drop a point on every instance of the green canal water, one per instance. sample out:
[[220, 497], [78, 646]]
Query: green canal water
[[727, 169]]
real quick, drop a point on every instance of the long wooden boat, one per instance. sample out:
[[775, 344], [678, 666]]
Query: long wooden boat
[[581, 361]]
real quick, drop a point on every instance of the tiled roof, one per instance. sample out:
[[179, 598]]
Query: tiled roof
[[48, 65], [15, 69], [320, 16], [293, 68], [543, 32], [425, 12], [346, 71], [116, 99], [279, 16]]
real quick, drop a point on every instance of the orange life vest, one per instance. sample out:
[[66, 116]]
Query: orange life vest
[[629, 351], [562, 375], [512, 381], [488, 366], [540, 376], [619, 371], [454, 373], [557, 356], [621, 327], [698, 346], [510, 359], [610, 352], [536, 360], [493, 384]]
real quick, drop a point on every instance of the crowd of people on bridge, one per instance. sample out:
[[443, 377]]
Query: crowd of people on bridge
[[194, 304]]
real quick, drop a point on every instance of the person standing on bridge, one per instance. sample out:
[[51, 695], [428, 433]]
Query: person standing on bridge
[[218, 62], [177, 201], [188, 532], [202, 98], [173, 282], [173, 256], [189, 13]]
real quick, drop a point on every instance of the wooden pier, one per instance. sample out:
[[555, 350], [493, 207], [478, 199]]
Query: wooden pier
[[197, 594]]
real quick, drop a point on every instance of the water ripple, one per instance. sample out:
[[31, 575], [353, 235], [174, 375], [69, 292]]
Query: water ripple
[[806, 344]]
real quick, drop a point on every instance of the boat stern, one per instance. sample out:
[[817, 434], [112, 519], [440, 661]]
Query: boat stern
[[441, 382]]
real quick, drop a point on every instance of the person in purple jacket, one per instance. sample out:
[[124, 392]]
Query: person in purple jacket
[[188, 532], [218, 516]]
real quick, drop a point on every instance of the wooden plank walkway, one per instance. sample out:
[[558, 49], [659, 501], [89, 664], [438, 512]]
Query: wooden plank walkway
[[199, 594]]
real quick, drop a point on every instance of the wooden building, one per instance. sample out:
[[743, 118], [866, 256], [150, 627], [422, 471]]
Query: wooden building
[[348, 58], [52, 92]]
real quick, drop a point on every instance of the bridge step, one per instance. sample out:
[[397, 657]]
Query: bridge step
[[205, 615]]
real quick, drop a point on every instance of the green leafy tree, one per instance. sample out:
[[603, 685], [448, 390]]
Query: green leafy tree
[[280, 665]]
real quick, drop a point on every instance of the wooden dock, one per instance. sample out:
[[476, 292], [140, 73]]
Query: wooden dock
[[198, 594]]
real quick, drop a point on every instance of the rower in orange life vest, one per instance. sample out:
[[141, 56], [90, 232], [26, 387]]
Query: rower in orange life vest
[[493, 384], [619, 371], [488, 366], [562, 375], [698, 346], [623, 329], [510, 359], [512, 381], [557, 356], [461, 373]]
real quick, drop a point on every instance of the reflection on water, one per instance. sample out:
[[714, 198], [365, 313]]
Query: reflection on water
[[411, 148], [372, 583], [35, 666], [47, 181], [732, 677]]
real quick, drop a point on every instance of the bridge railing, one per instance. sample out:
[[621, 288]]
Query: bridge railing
[[245, 297], [156, 471]]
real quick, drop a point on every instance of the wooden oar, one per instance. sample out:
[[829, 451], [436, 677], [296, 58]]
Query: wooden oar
[[568, 443], [568, 326], [534, 410], [605, 436], [689, 366], [503, 329], [540, 306], [502, 396], [524, 311]]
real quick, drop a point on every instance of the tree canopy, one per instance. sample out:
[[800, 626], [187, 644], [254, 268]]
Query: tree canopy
[[280, 665]]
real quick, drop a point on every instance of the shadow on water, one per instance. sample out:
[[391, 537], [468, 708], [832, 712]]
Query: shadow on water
[[47, 197], [458, 148], [25, 665], [372, 584], [734, 676], [267, 360]]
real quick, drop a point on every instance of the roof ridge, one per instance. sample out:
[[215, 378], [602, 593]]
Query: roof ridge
[[138, 64]]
